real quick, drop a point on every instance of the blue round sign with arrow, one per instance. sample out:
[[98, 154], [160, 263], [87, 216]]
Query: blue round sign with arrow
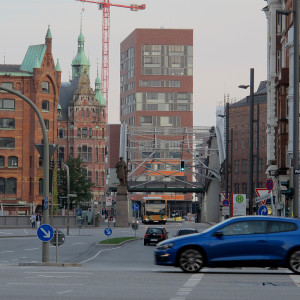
[[135, 207], [107, 231], [45, 232], [263, 210]]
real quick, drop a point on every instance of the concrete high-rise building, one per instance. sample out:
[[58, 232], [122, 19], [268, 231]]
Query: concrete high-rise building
[[156, 82]]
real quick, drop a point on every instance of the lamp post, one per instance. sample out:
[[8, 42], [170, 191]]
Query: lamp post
[[250, 139], [45, 246]]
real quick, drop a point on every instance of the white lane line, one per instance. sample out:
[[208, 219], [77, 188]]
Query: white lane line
[[2, 232], [78, 244], [55, 272], [6, 252], [34, 283], [64, 292], [31, 249], [296, 279], [99, 253], [187, 287]]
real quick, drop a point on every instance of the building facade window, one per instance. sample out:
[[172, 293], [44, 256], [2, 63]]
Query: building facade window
[[84, 132], [7, 143], [45, 105], [41, 186], [46, 124], [13, 161], [85, 153], [89, 176], [8, 85], [242, 144], [45, 87], [2, 161], [237, 166], [87, 112], [90, 132], [79, 132], [244, 165], [7, 104], [8, 185], [7, 123], [61, 133]]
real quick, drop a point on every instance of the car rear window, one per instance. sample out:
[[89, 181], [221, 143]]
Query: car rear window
[[154, 230], [186, 231], [279, 226]]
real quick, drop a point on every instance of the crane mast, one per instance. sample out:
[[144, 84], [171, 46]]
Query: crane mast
[[105, 5]]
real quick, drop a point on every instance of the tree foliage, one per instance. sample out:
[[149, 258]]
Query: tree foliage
[[79, 183]]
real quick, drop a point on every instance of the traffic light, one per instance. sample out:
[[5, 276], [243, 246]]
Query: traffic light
[[289, 192], [59, 164], [182, 165]]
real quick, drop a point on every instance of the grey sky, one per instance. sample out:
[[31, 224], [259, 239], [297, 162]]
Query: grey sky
[[229, 39]]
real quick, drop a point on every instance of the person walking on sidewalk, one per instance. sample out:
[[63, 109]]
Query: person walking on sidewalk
[[38, 220], [33, 220]]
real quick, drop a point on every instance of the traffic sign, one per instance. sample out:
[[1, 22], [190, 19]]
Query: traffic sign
[[270, 184], [225, 202], [45, 232], [135, 207], [60, 238], [263, 210], [108, 201], [263, 198], [107, 231]]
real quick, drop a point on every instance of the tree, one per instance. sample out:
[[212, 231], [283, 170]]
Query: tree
[[79, 183]]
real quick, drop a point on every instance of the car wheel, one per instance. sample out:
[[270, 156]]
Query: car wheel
[[191, 261], [145, 243], [294, 261]]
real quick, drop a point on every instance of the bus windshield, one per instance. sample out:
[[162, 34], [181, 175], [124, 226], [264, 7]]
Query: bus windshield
[[155, 207]]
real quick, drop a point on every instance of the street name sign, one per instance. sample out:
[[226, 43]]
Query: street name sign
[[297, 171], [45, 232]]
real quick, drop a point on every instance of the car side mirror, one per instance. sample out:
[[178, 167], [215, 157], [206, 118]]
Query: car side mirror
[[218, 234]]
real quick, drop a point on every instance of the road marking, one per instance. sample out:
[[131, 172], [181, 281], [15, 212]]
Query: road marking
[[78, 244], [1, 232], [99, 253], [187, 287], [296, 279], [6, 252], [64, 292], [31, 249], [49, 272], [34, 283], [25, 231]]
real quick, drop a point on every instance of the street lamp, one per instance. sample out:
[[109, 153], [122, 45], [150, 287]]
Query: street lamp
[[250, 138]]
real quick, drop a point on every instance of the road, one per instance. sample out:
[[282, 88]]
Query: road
[[126, 272]]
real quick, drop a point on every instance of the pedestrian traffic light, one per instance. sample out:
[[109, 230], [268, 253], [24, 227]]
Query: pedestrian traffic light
[[289, 191], [182, 165]]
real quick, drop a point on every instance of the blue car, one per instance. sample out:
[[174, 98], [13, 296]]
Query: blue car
[[251, 241]]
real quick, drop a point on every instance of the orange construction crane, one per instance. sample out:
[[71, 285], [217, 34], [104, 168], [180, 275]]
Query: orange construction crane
[[105, 6]]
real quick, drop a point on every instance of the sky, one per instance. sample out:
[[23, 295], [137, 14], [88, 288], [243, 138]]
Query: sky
[[230, 37]]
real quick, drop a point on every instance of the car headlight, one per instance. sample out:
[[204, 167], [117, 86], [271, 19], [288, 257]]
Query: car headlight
[[165, 246]]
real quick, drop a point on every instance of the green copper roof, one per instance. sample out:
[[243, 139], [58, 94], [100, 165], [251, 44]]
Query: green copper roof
[[98, 94], [33, 57], [58, 68], [48, 34], [81, 37], [81, 59]]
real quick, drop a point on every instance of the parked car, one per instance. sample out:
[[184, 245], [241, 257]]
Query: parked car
[[256, 241], [155, 235], [185, 231]]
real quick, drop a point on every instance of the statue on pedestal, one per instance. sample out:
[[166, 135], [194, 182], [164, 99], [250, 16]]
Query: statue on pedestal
[[122, 171]]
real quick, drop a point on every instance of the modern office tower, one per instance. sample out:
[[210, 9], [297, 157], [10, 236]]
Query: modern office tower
[[156, 82]]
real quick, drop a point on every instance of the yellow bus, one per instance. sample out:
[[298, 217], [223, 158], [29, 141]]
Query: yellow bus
[[154, 210]]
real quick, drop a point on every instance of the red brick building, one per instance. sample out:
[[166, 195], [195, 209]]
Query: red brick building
[[239, 129], [156, 75], [21, 170], [81, 125]]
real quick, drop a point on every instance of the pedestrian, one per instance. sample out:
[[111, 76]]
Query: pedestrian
[[33, 220], [38, 220]]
